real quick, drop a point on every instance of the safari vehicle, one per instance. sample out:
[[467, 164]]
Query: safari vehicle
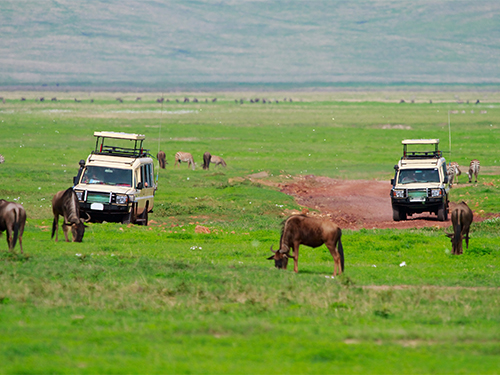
[[420, 182], [116, 183]]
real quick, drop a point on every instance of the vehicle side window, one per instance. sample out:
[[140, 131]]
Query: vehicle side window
[[151, 174], [147, 175]]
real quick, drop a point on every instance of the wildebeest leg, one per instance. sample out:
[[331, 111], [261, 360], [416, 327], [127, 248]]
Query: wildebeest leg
[[10, 237], [295, 250], [336, 257], [66, 228]]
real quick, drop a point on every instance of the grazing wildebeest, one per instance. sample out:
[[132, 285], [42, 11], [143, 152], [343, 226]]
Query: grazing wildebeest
[[461, 218], [473, 170], [217, 160], [184, 157], [120, 100], [206, 160], [304, 230], [138, 98], [161, 159], [65, 203], [12, 219]]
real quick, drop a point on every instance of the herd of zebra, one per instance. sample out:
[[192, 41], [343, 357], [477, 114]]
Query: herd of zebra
[[454, 171], [186, 157]]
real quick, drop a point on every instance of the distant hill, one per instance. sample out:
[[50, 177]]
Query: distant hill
[[238, 44]]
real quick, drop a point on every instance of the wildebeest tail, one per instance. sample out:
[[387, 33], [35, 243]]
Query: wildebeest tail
[[54, 224], [341, 252], [457, 232]]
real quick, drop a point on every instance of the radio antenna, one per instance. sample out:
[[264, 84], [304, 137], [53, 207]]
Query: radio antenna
[[159, 137]]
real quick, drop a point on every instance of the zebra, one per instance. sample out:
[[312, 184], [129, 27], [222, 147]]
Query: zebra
[[184, 157], [473, 170], [453, 172], [217, 160]]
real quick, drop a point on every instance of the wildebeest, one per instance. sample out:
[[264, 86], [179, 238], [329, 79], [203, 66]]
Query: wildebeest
[[461, 218], [304, 230], [206, 160], [161, 159], [473, 170], [65, 203], [184, 157], [12, 220], [217, 160]]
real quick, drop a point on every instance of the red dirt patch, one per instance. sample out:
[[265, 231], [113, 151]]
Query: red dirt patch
[[355, 204]]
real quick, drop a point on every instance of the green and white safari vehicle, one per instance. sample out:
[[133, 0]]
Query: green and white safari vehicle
[[116, 183], [420, 183]]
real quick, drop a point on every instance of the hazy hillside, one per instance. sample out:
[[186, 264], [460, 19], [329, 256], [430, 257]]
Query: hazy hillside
[[170, 43]]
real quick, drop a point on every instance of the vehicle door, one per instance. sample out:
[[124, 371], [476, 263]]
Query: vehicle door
[[145, 187]]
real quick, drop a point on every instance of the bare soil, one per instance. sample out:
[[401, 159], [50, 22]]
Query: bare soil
[[355, 204]]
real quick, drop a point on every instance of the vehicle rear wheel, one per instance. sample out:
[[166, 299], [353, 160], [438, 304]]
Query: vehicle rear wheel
[[442, 213], [398, 213]]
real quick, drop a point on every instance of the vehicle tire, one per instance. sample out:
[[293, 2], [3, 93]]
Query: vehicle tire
[[398, 213], [129, 218], [144, 218], [442, 213]]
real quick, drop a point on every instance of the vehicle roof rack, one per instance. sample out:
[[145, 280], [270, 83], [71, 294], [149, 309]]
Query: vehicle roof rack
[[102, 147], [421, 154]]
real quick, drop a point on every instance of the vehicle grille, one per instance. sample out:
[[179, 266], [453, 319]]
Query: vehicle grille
[[98, 197], [417, 193]]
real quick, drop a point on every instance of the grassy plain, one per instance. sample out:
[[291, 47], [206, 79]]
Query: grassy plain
[[164, 299]]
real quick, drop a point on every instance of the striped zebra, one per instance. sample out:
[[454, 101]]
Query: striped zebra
[[217, 160], [184, 157], [453, 172], [473, 170]]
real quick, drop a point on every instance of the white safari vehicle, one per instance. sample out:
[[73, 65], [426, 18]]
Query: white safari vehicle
[[420, 183], [116, 183]]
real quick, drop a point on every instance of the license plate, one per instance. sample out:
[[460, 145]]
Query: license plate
[[97, 206], [417, 199]]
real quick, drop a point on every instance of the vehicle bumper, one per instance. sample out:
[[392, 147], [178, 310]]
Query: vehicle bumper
[[109, 212]]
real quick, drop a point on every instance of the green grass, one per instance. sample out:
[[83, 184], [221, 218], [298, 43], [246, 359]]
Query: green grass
[[165, 299]]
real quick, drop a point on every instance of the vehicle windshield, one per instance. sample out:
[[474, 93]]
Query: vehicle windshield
[[107, 176], [408, 176]]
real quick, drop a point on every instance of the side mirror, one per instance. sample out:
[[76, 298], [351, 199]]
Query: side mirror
[[139, 185], [75, 180], [445, 179], [392, 181], [396, 167]]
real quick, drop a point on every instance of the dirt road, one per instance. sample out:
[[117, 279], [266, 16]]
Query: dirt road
[[354, 204]]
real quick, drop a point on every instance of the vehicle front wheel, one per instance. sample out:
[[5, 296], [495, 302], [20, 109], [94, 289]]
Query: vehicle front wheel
[[442, 213], [398, 213]]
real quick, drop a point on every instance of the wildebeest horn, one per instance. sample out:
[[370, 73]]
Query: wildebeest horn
[[450, 235], [88, 217], [274, 251]]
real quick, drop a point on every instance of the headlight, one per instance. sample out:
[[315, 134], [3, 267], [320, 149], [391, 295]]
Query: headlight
[[436, 192], [398, 193], [121, 199], [79, 195]]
